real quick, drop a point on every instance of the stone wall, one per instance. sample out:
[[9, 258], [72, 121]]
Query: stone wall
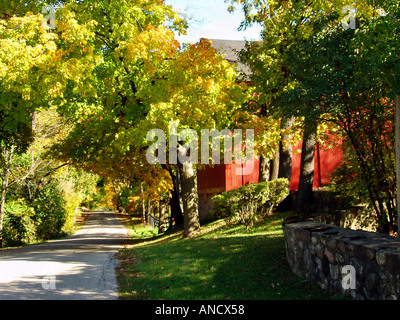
[[331, 256], [330, 211], [354, 217]]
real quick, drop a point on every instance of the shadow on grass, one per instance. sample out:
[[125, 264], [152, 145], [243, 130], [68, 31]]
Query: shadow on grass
[[143, 240], [225, 263]]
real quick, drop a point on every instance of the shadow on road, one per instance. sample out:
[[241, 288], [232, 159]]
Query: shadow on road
[[77, 267]]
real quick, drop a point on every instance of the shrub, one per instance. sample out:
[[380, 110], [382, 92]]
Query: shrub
[[18, 228], [50, 216], [72, 200], [251, 201]]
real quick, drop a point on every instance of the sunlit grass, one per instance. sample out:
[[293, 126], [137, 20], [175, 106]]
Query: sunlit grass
[[224, 262]]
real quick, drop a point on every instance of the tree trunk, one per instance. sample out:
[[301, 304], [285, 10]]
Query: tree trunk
[[191, 223], [176, 210], [264, 169], [4, 186], [305, 199], [286, 151], [275, 166], [161, 216], [148, 213], [143, 205], [397, 135], [2, 204]]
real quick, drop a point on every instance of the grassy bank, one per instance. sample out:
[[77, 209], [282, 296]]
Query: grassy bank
[[225, 262]]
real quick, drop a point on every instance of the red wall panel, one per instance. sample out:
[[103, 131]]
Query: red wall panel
[[225, 177], [211, 178], [325, 161]]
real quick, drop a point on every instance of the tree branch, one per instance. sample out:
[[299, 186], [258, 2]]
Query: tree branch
[[40, 184]]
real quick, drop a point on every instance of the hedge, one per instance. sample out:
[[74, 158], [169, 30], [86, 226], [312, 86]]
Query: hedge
[[251, 201]]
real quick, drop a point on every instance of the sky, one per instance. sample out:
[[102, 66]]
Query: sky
[[212, 20]]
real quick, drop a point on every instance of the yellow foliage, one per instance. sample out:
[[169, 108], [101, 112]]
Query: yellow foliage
[[201, 91], [30, 57], [152, 46]]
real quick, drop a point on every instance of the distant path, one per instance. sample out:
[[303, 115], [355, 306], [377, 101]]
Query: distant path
[[79, 267]]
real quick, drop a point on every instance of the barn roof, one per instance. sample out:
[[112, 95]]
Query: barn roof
[[231, 49]]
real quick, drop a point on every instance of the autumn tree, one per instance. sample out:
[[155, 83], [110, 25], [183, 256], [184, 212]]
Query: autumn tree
[[134, 42], [201, 93], [350, 78], [142, 82], [285, 23], [35, 68]]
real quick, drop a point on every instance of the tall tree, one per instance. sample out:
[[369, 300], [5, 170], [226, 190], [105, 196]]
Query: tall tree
[[33, 71], [133, 41], [285, 24], [349, 77], [201, 93], [142, 82]]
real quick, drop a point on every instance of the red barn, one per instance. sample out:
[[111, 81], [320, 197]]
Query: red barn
[[325, 161], [220, 178]]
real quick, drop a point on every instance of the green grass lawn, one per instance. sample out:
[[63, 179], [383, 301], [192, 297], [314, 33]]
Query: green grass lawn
[[224, 262]]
